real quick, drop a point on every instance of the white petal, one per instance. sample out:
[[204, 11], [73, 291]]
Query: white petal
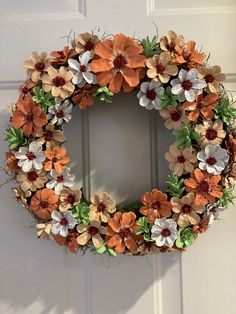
[[183, 75], [27, 165], [177, 89], [190, 95], [174, 82], [84, 58], [74, 64], [181, 96], [56, 228], [77, 78], [64, 231], [51, 184], [157, 104], [192, 74], [144, 87], [202, 165], [37, 164], [201, 156], [155, 84], [199, 84], [144, 101], [89, 77], [56, 215]]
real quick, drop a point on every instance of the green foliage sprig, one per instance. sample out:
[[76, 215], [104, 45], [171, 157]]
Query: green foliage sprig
[[175, 185], [145, 228], [15, 138], [168, 99], [104, 94], [225, 111], [186, 238], [81, 213], [227, 197], [150, 46], [45, 100], [184, 137], [106, 249]]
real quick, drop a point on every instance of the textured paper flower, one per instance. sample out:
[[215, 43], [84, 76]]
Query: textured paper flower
[[164, 232], [181, 160], [156, 205], [31, 157], [231, 146], [84, 97], [36, 65], [60, 113], [147, 248], [58, 181], [186, 212], [210, 133], [43, 202], [187, 86], [205, 186], [70, 241], [32, 180], [92, 231], [213, 211], [28, 116], [174, 116], [81, 70], [86, 42], [121, 232], [61, 57], [170, 41], [69, 198], [56, 159], [12, 161], [149, 95], [201, 107], [51, 136], [189, 57], [213, 78], [102, 205], [213, 159], [160, 67], [58, 82], [62, 222], [118, 63], [26, 88]]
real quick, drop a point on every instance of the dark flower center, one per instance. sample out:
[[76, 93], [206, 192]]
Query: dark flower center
[[83, 68], [156, 205], [30, 155], [48, 136], [119, 62], [213, 210], [171, 46], [211, 161], [40, 66], [58, 81], [64, 222], [32, 176], [101, 207], [175, 116], [151, 94], [186, 209], [203, 186], [25, 90], [61, 114], [209, 78], [44, 204], [160, 68], [93, 231], [70, 199], [181, 159], [124, 233], [89, 45], [30, 117], [211, 134], [165, 233], [60, 179], [187, 85]]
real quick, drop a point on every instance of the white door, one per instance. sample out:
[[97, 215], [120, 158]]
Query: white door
[[125, 146]]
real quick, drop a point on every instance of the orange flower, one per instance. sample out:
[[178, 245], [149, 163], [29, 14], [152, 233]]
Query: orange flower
[[70, 241], [12, 162], [56, 158], [84, 97], [202, 106], [61, 57], [118, 63], [156, 205], [28, 116], [26, 88], [205, 186], [189, 57], [121, 232], [43, 203], [202, 226], [231, 146]]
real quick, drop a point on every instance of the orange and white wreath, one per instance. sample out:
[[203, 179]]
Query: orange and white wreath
[[168, 75]]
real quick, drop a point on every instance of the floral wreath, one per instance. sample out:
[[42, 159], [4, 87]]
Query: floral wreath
[[169, 75]]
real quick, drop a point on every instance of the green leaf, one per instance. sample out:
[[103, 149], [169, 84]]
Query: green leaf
[[225, 111], [45, 100], [105, 249], [104, 94], [184, 137], [186, 238], [81, 213], [145, 228], [168, 99], [175, 185], [227, 197], [150, 46], [15, 138]]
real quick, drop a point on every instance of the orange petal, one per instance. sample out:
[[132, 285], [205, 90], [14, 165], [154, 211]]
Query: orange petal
[[131, 77], [119, 42], [103, 50], [136, 61], [101, 65], [115, 84], [104, 78], [131, 244], [198, 175]]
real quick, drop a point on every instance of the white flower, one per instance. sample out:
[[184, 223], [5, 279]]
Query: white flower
[[187, 86], [61, 112], [213, 211], [62, 222], [60, 180], [31, 157], [81, 70], [213, 159], [164, 232], [149, 95]]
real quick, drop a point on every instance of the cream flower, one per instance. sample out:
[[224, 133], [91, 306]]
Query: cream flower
[[58, 82], [181, 160], [174, 117], [170, 41], [160, 68], [36, 65], [213, 77], [186, 213], [85, 42], [51, 136], [211, 133], [69, 198], [101, 207], [92, 231], [32, 180]]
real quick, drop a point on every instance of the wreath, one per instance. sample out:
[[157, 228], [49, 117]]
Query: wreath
[[168, 75]]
